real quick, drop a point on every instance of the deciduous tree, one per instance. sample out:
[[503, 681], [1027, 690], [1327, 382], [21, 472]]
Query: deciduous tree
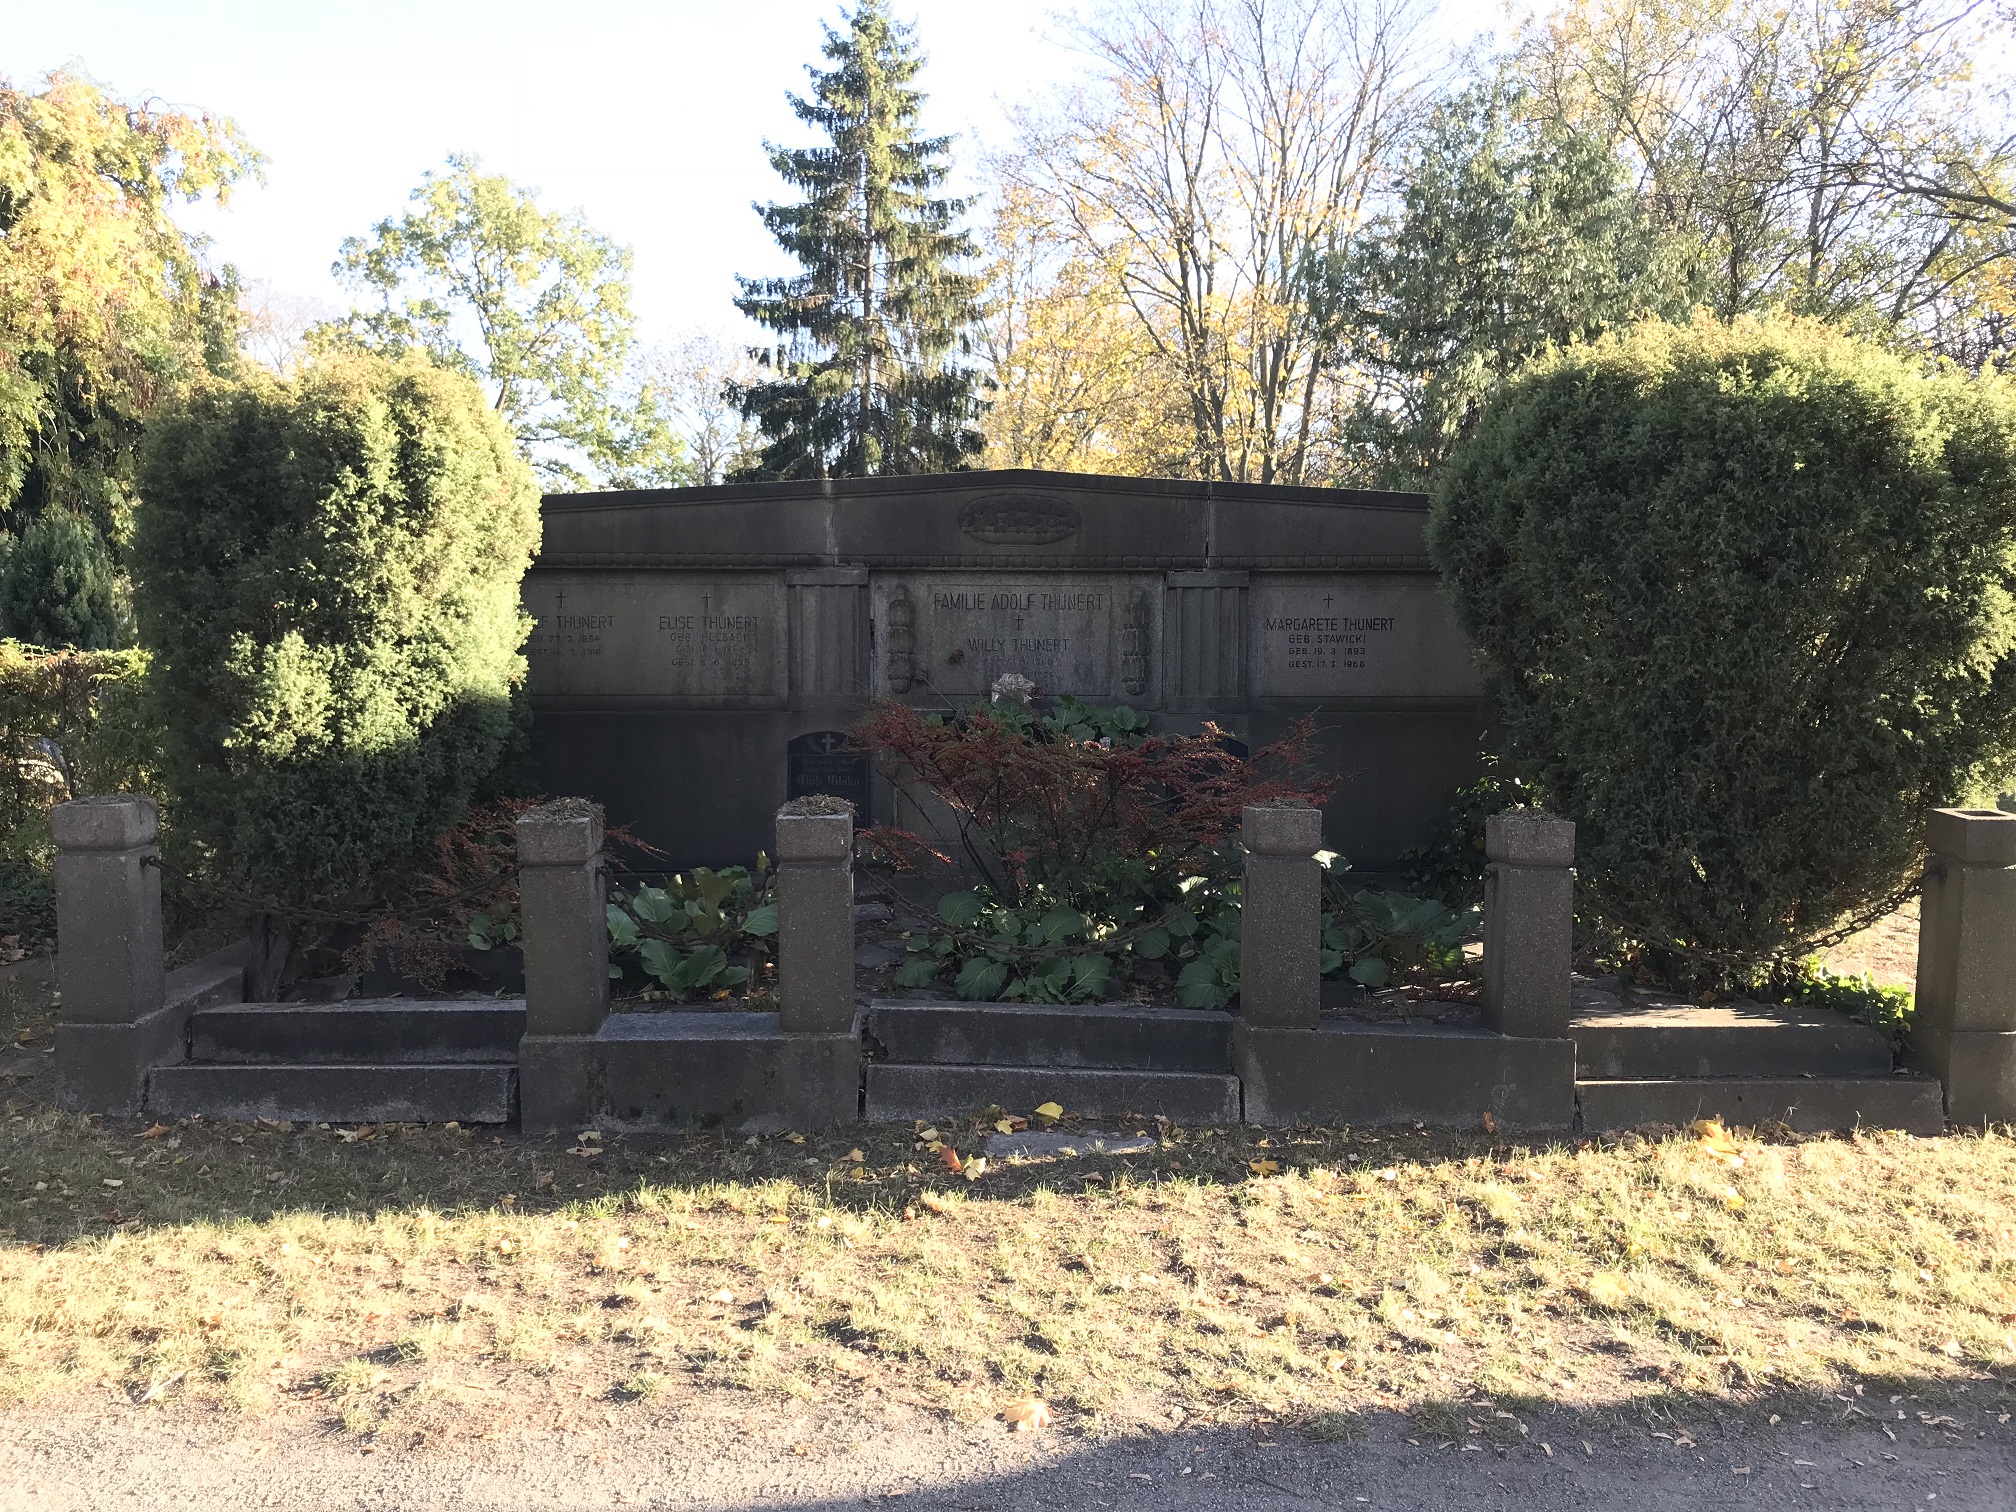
[[106, 305], [533, 304]]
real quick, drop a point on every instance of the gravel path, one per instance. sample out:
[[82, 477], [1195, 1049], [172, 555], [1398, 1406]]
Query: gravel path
[[718, 1459]]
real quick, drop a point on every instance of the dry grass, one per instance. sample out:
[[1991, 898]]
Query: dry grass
[[418, 1268], [403, 1277]]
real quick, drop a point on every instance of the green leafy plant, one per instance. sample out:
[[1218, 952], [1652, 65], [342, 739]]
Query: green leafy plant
[[1096, 845], [1379, 937], [1450, 864], [1860, 997], [686, 933]]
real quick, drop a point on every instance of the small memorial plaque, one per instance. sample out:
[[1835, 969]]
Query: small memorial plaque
[[1357, 636], [659, 636], [1086, 634], [824, 762]]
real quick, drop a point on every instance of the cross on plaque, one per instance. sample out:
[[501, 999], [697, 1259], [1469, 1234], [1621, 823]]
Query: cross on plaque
[[560, 599], [1326, 601]]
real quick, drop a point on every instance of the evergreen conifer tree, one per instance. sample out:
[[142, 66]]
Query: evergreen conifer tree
[[860, 381]]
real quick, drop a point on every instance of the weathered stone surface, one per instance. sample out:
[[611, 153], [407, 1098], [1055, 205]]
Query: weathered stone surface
[[1974, 837], [114, 823], [1529, 917], [1528, 837], [108, 910], [561, 917], [1087, 634], [1281, 919], [815, 919], [1976, 1066], [1102, 1036], [731, 1070], [387, 1030], [1363, 635], [1404, 1073], [1034, 1145], [669, 639], [1664, 1039], [1966, 997], [937, 1091], [1808, 1104], [334, 1093]]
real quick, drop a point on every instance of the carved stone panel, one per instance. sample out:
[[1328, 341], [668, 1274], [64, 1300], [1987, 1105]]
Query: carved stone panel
[[675, 639], [1356, 635], [950, 635]]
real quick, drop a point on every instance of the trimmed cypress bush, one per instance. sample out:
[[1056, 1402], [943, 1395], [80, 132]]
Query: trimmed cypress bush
[[326, 572], [1742, 595], [58, 587]]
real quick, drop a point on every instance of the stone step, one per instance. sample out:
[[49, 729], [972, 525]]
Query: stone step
[[1811, 1105], [1666, 1040], [387, 1031], [336, 1093], [1116, 1037], [903, 1091]]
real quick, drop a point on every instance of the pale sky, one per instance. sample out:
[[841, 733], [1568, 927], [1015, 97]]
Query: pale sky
[[648, 117]]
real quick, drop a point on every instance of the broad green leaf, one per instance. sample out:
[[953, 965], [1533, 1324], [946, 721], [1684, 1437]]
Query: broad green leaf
[[961, 909], [1055, 925], [1153, 944], [762, 920], [663, 963], [1370, 971], [980, 980], [653, 905], [918, 971]]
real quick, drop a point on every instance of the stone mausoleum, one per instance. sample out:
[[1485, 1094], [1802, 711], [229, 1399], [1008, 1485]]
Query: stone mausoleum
[[700, 653]]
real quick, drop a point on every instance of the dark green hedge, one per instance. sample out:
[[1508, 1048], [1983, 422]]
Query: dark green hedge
[[326, 571], [1743, 598]]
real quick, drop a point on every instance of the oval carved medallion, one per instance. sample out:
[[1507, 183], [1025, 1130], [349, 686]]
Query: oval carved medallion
[[1019, 519]]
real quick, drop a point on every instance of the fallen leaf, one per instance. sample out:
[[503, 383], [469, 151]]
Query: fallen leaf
[[795, 1138], [1336, 1362], [943, 1206], [1713, 1140], [1263, 1167], [1004, 1126], [856, 1156], [1490, 1123], [108, 1181], [724, 1296], [156, 1132], [1048, 1110], [950, 1159], [975, 1168], [1027, 1414]]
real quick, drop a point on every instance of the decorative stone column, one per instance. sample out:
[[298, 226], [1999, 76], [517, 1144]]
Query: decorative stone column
[[815, 916], [1529, 917], [1964, 1027], [114, 1025], [562, 895], [1281, 916]]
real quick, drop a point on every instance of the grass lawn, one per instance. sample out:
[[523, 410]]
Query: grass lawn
[[441, 1281]]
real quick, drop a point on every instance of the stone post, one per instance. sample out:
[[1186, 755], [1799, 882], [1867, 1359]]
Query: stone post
[[1529, 915], [114, 1025], [561, 892], [1964, 1028], [815, 916], [1281, 917]]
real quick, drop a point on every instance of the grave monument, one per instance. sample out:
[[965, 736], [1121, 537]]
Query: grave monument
[[699, 654]]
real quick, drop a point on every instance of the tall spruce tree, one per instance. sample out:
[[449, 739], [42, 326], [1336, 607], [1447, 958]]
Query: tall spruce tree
[[862, 379]]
